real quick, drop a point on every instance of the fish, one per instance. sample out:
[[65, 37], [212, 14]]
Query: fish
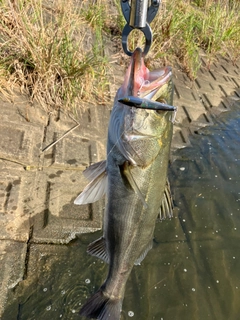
[[134, 181]]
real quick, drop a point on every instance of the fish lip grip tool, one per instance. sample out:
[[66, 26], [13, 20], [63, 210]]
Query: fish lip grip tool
[[138, 16]]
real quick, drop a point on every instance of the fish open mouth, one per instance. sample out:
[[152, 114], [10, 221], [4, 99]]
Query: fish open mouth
[[142, 83], [147, 89], [151, 87]]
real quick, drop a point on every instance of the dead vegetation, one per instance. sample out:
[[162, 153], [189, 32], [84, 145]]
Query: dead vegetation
[[54, 51], [51, 53]]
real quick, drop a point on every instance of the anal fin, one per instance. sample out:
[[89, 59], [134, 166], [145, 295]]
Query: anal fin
[[166, 209], [144, 253], [98, 249]]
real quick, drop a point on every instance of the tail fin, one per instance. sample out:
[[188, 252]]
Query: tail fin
[[102, 307]]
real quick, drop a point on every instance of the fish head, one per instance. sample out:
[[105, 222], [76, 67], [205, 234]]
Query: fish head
[[136, 130]]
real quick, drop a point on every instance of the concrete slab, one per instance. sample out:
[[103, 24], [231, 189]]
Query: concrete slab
[[20, 142], [12, 265], [14, 223], [55, 218]]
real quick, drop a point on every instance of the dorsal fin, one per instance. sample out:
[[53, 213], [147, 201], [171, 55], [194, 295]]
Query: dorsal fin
[[166, 209]]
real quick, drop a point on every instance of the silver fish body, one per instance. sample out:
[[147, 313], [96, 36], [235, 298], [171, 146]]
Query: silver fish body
[[135, 179]]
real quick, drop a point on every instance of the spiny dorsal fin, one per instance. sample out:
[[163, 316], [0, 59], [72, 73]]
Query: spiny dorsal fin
[[98, 249], [143, 255], [166, 209], [97, 188]]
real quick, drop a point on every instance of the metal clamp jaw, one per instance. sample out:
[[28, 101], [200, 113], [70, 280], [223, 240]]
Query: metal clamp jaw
[[138, 16]]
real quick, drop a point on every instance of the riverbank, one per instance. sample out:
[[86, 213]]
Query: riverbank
[[57, 53], [39, 180]]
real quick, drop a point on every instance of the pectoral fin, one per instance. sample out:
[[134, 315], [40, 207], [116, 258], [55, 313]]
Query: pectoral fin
[[133, 183], [96, 189], [166, 209], [98, 249], [94, 170]]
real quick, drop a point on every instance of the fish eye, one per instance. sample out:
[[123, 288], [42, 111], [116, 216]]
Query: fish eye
[[162, 112], [161, 100]]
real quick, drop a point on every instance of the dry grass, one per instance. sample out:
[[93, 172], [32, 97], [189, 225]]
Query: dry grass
[[54, 50], [184, 29], [49, 50], [188, 28]]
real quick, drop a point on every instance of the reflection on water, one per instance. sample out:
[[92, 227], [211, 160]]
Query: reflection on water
[[193, 271]]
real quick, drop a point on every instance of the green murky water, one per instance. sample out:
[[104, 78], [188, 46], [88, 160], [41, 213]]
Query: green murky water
[[193, 270]]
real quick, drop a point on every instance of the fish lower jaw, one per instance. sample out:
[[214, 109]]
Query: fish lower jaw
[[151, 90]]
